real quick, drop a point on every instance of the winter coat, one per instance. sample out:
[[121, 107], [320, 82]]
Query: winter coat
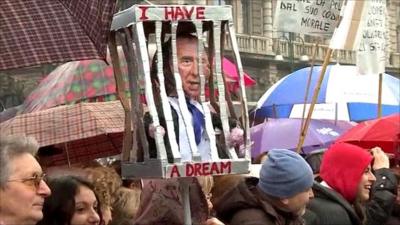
[[161, 203], [332, 209], [244, 205]]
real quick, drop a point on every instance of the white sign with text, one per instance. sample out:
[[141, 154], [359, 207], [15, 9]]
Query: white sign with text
[[371, 56], [311, 17]]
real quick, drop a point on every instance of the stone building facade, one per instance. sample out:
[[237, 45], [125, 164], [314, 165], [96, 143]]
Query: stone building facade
[[258, 45], [258, 42]]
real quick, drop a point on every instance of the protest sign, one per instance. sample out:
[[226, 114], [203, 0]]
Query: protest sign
[[311, 17], [371, 53], [348, 34]]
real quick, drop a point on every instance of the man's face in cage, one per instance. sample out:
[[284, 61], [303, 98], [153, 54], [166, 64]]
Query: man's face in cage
[[188, 66]]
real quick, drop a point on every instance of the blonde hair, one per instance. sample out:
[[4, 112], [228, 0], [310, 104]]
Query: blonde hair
[[206, 183], [126, 203], [106, 181]]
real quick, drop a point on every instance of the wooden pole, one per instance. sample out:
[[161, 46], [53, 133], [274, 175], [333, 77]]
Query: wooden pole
[[228, 96], [139, 141], [127, 139], [308, 83], [314, 100], [380, 96], [185, 194]]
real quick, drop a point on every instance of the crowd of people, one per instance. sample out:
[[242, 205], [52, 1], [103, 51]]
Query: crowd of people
[[351, 185], [354, 186]]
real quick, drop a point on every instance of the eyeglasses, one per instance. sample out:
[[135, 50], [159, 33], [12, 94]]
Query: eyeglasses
[[32, 181]]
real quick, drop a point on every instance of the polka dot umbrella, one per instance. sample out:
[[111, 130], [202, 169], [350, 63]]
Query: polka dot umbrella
[[78, 81]]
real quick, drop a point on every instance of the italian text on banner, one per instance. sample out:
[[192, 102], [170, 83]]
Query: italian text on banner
[[311, 17], [371, 55]]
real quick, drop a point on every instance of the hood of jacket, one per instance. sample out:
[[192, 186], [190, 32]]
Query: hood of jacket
[[246, 196]]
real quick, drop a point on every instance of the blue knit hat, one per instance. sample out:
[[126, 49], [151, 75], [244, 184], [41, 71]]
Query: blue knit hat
[[285, 174]]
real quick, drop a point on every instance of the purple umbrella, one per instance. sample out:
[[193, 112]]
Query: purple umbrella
[[284, 133]]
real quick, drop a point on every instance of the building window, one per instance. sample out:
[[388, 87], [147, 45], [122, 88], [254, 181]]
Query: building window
[[246, 12]]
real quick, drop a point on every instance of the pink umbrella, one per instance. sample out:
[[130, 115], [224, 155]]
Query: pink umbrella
[[231, 72]]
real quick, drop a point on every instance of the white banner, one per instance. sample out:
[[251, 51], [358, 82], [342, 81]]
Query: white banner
[[330, 111], [138, 13], [311, 17], [371, 56], [347, 35]]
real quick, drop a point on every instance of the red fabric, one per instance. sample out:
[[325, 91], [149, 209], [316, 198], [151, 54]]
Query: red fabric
[[231, 73], [383, 132], [342, 167]]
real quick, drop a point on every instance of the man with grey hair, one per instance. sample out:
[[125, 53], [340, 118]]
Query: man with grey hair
[[22, 188]]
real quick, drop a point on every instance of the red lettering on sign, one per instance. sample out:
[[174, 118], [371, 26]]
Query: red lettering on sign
[[206, 169], [188, 14], [143, 14], [200, 13], [214, 168], [226, 166], [182, 13], [189, 170], [175, 171], [197, 169], [179, 14], [203, 169], [168, 13]]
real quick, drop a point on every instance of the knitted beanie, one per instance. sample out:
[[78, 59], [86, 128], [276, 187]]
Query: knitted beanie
[[284, 174], [342, 167]]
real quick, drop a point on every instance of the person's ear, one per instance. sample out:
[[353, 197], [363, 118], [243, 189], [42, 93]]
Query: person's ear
[[285, 201]]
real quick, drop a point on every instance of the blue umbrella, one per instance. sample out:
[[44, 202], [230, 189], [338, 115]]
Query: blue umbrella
[[344, 95]]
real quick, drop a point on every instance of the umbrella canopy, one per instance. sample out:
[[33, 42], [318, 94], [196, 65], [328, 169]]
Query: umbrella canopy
[[285, 133], [76, 133], [232, 75], [383, 132], [344, 95], [53, 31], [89, 80], [76, 81]]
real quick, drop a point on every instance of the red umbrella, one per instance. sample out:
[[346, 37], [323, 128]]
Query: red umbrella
[[383, 132]]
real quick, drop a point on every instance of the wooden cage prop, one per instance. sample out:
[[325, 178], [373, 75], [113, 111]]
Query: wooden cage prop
[[137, 27]]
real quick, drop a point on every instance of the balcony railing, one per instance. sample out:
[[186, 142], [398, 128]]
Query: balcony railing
[[254, 44], [269, 47]]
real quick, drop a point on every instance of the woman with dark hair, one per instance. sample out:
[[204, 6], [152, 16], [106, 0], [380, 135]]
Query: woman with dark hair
[[357, 187], [73, 202]]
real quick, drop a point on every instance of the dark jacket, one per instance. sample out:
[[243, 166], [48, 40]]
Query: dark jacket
[[394, 219], [332, 209], [216, 121], [383, 197], [243, 205]]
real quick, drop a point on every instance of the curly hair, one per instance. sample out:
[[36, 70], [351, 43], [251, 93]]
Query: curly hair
[[106, 181], [59, 208]]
